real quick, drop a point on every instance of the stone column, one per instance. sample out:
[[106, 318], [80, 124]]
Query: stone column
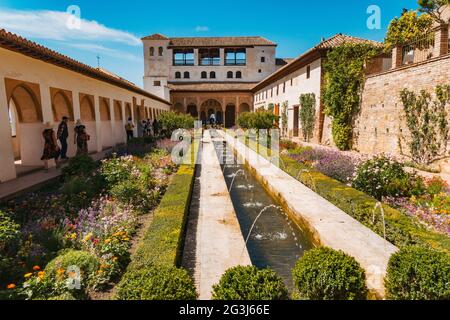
[[46, 104], [112, 112], [397, 57], [76, 105], [98, 124], [7, 167], [441, 41]]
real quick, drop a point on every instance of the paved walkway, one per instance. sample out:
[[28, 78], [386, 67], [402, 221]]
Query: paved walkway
[[219, 241], [34, 179], [331, 226]]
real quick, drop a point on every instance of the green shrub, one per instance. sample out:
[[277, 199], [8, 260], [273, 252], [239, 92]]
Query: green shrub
[[157, 283], [79, 190], [9, 240], [257, 120], [82, 165], [136, 194], [342, 135], [326, 274], [63, 297], [416, 273], [88, 264], [9, 232], [401, 230], [171, 121], [117, 169], [382, 177], [249, 283]]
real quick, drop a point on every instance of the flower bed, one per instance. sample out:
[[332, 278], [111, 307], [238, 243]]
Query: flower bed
[[163, 241], [401, 228], [92, 211]]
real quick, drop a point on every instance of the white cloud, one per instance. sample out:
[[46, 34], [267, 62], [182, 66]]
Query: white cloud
[[100, 49], [202, 29], [53, 25]]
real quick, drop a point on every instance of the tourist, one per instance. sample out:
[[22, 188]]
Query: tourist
[[63, 135], [81, 138], [129, 127], [144, 128], [212, 119], [51, 148], [149, 127], [155, 127]]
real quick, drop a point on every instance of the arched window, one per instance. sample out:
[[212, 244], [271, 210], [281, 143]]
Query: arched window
[[187, 75], [204, 75], [160, 51], [238, 75], [212, 75], [230, 74], [152, 51], [177, 75]]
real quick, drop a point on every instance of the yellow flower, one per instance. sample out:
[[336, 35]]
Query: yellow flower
[[126, 239], [73, 236], [60, 271], [107, 241], [28, 275], [41, 275], [88, 237]]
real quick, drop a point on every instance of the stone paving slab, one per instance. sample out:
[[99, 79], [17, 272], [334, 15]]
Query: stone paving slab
[[330, 225], [220, 243]]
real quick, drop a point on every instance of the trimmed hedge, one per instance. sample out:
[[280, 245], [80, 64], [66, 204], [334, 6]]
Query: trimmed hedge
[[401, 230], [249, 283], [157, 283], [417, 273], [163, 241], [327, 274]]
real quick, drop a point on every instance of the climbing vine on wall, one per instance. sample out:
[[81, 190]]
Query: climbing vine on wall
[[284, 117], [427, 121], [307, 115], [344, 79]]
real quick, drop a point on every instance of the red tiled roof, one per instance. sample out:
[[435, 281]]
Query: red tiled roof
[[213, 41], [13, 42]]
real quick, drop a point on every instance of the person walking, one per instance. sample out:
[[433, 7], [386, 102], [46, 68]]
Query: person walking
[[129, 127], [149, 127], [51, 148], [155, 127], [81, 139], [63, 135]]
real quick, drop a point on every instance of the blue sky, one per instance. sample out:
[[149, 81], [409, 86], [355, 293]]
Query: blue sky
[[112, 28]]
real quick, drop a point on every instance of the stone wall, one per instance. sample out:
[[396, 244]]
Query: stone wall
[[381, 120]]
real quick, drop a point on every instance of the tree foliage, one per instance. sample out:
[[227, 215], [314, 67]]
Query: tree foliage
[[257, 120], [307, 114], [428, 124], [284, 117], [435, 8], [344, 79], [411, 25]]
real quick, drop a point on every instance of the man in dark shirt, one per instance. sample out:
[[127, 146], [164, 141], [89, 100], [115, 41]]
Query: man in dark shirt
[[63, 134]]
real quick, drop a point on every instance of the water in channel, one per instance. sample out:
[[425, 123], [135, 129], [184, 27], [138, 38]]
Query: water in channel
[[275, 241]]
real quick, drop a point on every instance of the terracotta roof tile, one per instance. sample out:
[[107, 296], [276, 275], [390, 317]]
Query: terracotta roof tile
[[213, 41], [13, 42]]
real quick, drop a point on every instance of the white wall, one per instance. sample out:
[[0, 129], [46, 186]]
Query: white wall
[[300, 85], [19, 67]]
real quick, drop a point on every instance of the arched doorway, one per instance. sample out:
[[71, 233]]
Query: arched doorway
[[192, 110], [87, 115], [25, 114], [178, 108], [210, 107], [62, 106], [119, 128], [244, 107], [219, 117], [230, 116], [106, 127], [128, 113]]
